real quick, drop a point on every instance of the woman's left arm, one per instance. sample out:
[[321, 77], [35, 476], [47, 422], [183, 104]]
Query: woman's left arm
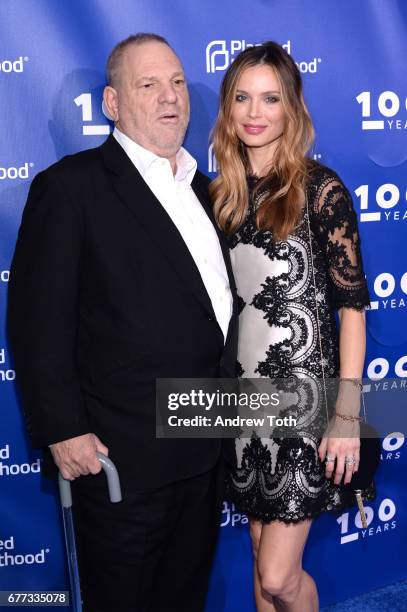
[[343, 439], [338, 235], [352, 342]]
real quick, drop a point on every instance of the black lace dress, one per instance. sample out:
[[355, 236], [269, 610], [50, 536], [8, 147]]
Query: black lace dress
[[284, 301]]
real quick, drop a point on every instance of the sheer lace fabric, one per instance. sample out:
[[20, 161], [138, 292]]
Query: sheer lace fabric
[[334, 222]]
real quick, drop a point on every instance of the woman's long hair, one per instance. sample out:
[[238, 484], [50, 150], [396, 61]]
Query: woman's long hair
[[285, 182]]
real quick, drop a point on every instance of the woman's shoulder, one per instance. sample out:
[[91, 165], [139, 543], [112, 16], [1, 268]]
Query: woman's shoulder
[[325, 185], [319, 175], [330, 202]]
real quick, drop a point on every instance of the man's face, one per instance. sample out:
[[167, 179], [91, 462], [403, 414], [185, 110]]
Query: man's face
[[152, 102]]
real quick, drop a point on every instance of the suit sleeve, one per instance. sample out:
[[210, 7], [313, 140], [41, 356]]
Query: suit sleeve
[[43, 312]]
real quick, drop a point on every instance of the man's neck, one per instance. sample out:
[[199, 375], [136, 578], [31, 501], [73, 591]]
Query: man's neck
[[172, 158]]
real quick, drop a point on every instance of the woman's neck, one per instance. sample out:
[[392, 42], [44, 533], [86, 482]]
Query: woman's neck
[[261, 159]]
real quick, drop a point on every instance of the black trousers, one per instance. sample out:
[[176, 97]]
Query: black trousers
[[153, 551]]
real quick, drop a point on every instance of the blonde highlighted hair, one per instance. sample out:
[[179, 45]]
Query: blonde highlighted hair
[[280, 207]]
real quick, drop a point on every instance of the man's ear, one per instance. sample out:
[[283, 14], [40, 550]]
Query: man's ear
[[111, 103]]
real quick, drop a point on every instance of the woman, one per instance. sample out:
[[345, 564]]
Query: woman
[[296, 258]]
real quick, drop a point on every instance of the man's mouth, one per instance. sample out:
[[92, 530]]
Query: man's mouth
[[168, 118]]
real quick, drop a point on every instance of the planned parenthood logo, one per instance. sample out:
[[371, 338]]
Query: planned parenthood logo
[[6, 374], [13, 65], [219, 54], [9, 556], [16, 172], [231, 517], [9, 468]]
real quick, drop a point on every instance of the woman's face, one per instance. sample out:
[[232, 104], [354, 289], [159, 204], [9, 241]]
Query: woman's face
[[257, 111]]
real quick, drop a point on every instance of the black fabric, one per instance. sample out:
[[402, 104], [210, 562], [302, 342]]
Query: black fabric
[[370, 449], [334, 223], [153, 551], [104, 297]]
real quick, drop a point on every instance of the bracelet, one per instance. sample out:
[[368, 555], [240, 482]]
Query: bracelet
[[355, 381], [347, 417]]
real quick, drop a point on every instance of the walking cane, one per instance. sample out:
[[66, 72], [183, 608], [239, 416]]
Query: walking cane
[[115, 495]]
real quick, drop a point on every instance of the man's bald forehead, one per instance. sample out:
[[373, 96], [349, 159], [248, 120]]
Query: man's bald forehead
[[115, 59]]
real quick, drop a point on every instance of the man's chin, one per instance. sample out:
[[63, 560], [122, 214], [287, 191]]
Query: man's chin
[[168, 148]]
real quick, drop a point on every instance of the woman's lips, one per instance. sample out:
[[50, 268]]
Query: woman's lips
[[254, 129]]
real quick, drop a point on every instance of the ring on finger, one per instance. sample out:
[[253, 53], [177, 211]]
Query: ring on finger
[[350, 461], [330, 458]]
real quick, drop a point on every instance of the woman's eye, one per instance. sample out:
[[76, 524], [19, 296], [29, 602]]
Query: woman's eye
[[272, 100], [240, 98]]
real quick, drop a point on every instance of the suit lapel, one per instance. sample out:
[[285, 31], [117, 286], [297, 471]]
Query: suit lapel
[[139, 199]]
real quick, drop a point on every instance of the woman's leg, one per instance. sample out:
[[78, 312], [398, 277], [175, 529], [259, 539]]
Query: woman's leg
[[281, 584], [264, 601]]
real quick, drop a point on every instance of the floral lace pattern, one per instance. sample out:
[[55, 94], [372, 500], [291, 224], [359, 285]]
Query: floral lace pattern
[[278, 477]]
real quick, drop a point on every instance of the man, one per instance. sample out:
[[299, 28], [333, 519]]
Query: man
[[121, 277]]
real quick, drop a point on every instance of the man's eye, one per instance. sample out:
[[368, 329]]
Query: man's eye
[[179, 81]]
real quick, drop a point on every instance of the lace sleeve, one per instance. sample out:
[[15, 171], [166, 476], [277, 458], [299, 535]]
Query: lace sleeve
[[335, 225]]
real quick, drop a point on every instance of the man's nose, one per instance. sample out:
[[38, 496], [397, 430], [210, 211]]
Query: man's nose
[[168, 93]]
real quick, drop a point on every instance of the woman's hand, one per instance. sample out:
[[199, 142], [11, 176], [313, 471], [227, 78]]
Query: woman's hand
[[341, 440]]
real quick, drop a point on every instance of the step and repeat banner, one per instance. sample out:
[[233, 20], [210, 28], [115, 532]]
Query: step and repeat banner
[[352, 56]]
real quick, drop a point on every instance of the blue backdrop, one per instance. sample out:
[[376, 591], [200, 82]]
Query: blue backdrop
[[352, 57]]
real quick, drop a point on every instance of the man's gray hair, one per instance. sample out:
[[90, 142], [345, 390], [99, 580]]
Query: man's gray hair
[[116, 55]]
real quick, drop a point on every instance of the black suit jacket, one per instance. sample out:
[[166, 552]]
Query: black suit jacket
[[104, 297]]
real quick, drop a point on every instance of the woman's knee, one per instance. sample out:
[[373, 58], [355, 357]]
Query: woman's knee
[[283, 585]]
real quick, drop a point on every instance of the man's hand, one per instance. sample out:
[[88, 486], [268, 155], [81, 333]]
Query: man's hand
[[77, 456]]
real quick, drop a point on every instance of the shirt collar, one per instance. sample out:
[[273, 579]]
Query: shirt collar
[[144, 159]]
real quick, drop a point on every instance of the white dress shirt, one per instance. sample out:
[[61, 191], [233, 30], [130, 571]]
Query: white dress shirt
[[177, 197]]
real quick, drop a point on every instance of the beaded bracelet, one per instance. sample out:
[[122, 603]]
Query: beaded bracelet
[[347, 417], [355, 381]]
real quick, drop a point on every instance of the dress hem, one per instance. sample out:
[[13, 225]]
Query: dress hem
[[370, 495]]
